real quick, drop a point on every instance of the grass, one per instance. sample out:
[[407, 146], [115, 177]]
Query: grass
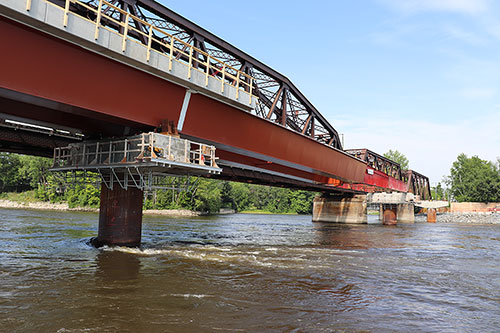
[[22, 197]]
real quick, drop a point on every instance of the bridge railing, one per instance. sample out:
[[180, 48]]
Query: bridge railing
[[271, 95], [134, 29], [135, 150]]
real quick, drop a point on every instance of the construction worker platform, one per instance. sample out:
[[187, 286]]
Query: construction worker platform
[[137, 160]]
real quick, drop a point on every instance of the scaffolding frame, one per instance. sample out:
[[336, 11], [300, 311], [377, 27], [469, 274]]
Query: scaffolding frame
[[142, 161]]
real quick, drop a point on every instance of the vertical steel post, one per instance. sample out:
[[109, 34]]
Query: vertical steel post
[[98, 20], [190, 61], [66, 11], [250, 92], [237, 84], [207, 70], [125, 33], [169, 147], [170, 60], [223, 78], [150, 37]]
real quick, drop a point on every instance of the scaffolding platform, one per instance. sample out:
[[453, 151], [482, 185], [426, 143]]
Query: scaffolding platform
[[139, 161]]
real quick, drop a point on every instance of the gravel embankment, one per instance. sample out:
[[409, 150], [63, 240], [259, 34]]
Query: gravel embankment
[[471, 218]]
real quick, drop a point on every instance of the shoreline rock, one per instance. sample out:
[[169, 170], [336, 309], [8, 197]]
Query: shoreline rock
[[40, 205], [470, 218]]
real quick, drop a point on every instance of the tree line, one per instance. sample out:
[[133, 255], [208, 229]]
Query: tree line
[[22, 173], [471, 179]]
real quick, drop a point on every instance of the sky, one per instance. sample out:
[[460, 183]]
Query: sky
[[418, 76]]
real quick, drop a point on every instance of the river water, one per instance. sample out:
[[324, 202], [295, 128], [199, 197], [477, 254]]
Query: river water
[[247, 273]]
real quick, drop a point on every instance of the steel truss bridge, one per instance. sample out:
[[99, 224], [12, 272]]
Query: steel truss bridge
[[79, 70]]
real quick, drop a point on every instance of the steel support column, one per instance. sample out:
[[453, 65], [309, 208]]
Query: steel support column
[[120, 217]]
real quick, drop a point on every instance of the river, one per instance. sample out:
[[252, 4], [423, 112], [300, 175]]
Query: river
[[247, 273]]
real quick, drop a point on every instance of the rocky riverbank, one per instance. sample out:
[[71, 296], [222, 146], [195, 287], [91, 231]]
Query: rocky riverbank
[[41, 205], [470, 218]]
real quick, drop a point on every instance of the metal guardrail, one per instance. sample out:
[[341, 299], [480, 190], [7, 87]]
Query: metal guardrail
[[272, 95], [136, 150], [176, 49], [142, 161]]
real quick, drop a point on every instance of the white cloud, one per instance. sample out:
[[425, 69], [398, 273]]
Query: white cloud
[[431, 147], [478, 93], [459, 6], [464, 35]]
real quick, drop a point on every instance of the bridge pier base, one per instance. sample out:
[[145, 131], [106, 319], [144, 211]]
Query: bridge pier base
[[406, 213], [431, 215], [120, 217], [393, 213], [340, 209], [390, 213]]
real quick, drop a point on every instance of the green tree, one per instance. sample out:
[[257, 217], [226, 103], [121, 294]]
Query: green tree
[[83, 196], [207, 197], [34, 169], [9, 171], [398, 157], [474, 179], [438, 192], [301, 202], [240, 195]]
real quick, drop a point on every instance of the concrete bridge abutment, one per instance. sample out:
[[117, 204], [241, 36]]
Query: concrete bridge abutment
[[394, 208], [340, 209]]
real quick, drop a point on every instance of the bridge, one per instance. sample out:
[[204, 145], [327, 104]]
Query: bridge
[[92, 73]]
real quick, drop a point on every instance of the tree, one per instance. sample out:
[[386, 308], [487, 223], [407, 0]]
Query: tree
[[301, 202], [474, 179], [398, 157], [207, 197], [34, 169], [438, 192], [9, 171]]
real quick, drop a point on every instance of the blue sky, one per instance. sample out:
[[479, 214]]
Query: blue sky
[[419, 76]]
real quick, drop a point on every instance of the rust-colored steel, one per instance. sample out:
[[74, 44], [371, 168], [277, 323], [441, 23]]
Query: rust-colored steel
[[220, 123], [120, 217], [390, 214], [39, 65], [431, 215], [68, 74], [266, 165]]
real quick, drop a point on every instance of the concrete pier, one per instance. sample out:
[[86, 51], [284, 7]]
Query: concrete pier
[[403, 212], [120, 217], [340, 209], [406, 213]]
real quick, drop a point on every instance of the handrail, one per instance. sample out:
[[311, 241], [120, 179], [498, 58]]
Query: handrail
[[134, 150], [225, 73]]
